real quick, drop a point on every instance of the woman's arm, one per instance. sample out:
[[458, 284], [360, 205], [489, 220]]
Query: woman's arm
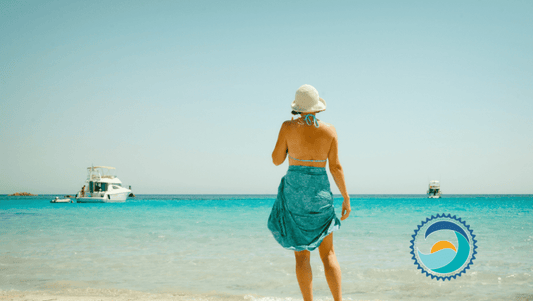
[[280, 150], [338, 175]]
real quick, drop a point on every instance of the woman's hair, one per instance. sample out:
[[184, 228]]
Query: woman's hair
[[296, 113]]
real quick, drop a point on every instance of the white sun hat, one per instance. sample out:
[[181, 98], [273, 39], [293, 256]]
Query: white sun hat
[[307, 100]]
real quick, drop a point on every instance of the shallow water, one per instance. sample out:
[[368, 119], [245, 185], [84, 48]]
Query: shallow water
[[199, 244]]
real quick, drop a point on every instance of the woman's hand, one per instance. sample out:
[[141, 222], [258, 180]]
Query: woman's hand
[[346, 209]]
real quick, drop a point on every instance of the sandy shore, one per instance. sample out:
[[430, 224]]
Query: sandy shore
[[112, 294]]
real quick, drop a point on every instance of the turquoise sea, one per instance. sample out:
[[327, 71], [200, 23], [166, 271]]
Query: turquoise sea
[[218, 247]]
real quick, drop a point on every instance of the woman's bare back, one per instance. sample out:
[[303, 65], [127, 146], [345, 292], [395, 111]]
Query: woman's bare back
[[306, 142]]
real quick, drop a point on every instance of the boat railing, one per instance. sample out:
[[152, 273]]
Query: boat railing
[[95, 178], [95, 194]]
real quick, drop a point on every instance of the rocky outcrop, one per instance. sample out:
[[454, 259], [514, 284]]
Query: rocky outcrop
[[22, 194]]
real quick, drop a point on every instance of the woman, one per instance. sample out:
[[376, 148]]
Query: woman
[[303, 217]]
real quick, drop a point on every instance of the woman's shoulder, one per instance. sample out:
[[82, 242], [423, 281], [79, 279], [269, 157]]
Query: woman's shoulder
[[328, 127], [292, 122], [326, 124]]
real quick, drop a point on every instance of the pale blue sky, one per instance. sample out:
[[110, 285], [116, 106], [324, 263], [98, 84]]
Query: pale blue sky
[[188, 96]]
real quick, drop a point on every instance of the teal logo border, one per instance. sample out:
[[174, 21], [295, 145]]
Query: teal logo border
[[461, 229]]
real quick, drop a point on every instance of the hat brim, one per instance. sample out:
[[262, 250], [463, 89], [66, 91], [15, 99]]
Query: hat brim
[[318, 107]]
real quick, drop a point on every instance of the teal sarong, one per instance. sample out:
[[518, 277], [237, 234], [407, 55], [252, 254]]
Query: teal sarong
[[303, 213]]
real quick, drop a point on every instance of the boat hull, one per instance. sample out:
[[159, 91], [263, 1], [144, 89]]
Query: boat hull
[[108, 198], [61, 201]]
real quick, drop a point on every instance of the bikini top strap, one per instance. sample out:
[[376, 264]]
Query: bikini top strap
[[309, 119], [307, 160]]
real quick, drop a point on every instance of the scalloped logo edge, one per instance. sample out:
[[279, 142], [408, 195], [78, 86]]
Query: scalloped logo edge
[[446, 260]]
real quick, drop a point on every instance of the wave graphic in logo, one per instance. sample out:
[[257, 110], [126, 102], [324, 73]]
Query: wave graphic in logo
[[445, 260]]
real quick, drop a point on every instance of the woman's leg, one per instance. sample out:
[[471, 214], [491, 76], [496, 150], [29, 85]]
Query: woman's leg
[[304, 274], [331, 267]]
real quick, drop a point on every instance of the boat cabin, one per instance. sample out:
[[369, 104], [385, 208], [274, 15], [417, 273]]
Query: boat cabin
[[434, 189]]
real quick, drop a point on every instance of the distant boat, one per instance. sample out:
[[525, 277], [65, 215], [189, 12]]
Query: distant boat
[[58, 200], [434, 191], [102, 187]]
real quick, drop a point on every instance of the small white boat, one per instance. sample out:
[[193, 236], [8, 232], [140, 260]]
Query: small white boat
[[58, 200], [102, 187], [434, 191]]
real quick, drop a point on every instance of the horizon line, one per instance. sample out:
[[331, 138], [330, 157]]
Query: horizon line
[[274, 194]]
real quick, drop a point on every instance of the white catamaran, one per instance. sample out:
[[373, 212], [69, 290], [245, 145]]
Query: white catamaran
[[434, 191], [102, 187]]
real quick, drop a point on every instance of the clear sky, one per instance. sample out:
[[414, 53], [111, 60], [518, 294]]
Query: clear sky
[[188, 96]]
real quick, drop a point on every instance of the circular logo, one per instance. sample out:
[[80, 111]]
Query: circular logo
[[443, 247]]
